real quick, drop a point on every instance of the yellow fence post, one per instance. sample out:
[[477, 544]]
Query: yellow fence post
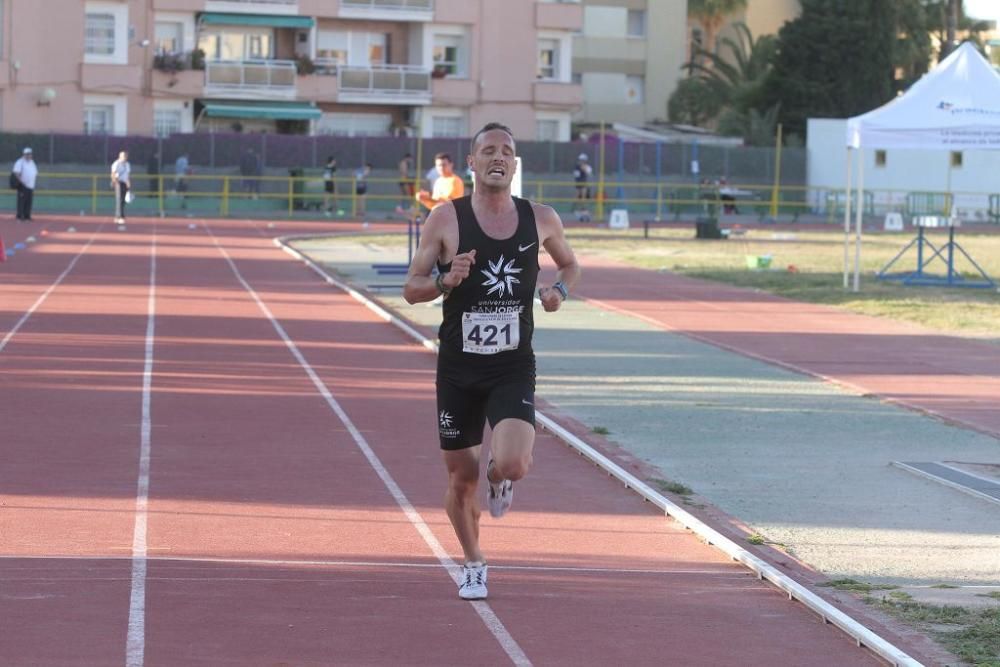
[[659, 201], [225, 196], [354, 196], [600, 179], [159, 192], [291, 192], [776, 192], [93, 195]]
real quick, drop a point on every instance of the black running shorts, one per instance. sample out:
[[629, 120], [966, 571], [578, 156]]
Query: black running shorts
[[467, 397]]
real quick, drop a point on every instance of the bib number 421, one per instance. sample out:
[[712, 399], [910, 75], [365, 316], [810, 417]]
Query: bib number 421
[[489, 333]]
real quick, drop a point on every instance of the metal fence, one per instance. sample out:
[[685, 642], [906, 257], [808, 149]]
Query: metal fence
[[622, 161]]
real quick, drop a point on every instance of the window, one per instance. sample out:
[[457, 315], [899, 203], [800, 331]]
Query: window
[[447, 126], [636, 23], [880, 158], [331, 47], [237, 45], [166, 122], [635, 89], [547, 130], [956, 159], [169, 37], [548, 59], [99, 36], [447, 54], [355, 124], [98, 119]]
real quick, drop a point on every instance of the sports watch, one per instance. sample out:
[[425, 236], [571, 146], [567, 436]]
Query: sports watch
[[561, 288]]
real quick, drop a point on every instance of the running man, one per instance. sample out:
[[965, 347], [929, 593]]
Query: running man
[[447, 186], [486, 249]]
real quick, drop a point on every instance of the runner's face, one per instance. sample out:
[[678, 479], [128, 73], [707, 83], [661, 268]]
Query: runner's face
[[493, 160], [444, 167]]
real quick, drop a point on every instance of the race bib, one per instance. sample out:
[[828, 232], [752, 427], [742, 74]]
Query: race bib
[[489, 333]]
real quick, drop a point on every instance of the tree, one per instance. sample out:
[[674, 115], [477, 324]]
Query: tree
[[834, 61], [693, 102], [711, 14]]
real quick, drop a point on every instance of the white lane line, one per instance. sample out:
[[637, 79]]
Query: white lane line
[[861, 633], [135, 648], [45, 295], [486, 613]]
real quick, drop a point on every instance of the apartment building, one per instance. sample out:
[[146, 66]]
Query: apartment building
[[349, 67], [628, 58]]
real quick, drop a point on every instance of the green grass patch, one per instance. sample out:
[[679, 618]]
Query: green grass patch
[[971, 634], [943, 586], [600, 430], [672, 487], [992, 594], [857, 586], [756, 539]]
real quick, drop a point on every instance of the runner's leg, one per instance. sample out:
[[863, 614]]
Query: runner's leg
[[460, 500]]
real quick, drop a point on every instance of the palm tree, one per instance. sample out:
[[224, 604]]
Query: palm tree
[[711, 14]]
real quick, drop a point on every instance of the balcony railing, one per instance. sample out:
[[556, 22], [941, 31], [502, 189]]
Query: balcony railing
[[269, 77], [388, 10], [245, 6], [405, 83]]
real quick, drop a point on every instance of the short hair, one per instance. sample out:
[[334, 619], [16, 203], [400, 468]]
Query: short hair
[[486, 128], [330, 159], [443, 156]]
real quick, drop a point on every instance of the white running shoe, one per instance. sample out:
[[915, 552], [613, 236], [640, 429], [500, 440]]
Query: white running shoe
[[498, 496], [473, 586]]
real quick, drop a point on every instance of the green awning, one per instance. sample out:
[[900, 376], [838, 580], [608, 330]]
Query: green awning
[[272, 110], [260, 20]]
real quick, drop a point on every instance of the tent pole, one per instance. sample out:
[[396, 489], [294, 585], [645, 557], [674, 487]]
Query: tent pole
[[847, 219], [858, 219]]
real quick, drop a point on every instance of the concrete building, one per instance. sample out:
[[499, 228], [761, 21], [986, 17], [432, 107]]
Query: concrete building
[[628, 58], [351, 67]]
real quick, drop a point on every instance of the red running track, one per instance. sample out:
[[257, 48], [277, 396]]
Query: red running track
[[289, 508]]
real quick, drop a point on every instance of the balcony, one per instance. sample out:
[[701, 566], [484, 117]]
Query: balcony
[[559, 16], [251, 79], [388, 10], [253, 6], [381, 84]]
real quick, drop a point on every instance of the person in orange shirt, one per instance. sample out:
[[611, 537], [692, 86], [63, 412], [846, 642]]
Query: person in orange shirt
[[448, 186]]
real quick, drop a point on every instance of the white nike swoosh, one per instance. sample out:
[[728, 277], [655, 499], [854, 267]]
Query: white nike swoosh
[[521, 248]]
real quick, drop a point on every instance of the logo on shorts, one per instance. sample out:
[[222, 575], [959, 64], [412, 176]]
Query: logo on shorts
[[446, 425], [501, 278]]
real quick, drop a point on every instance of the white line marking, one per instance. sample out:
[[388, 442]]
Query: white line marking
[[946, 482], [981, 478], [486, 613], [135, 648], [763, 569], [46, 293]]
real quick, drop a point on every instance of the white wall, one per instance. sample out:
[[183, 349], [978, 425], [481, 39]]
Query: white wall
[[605, 21], [905, 170]]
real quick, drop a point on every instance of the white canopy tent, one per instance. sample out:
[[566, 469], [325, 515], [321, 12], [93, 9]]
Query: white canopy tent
[[955, 106]]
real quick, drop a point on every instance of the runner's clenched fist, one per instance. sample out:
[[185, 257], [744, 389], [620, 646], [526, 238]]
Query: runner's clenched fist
[[460, 267], [551, 299]]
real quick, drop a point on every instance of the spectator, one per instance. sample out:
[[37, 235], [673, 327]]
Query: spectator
[[181, 170], [250, 171], [121, 179], [447, 186], [361, 188], [406, 187], [581, 175], [329, 186], [26, 172]]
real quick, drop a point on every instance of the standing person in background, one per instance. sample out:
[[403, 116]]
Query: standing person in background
[[447, 186], [26, 172], [406, 180], [181, 169], [329, 186], [361, 187], [250, 171], [121, 179], [581, 175]]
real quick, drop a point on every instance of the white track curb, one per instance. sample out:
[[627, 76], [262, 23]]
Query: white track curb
[[795, 591]]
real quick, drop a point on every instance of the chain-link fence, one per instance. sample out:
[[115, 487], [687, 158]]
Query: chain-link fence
[[622, 160]]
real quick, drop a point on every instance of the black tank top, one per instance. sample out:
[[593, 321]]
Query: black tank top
[[488, 317]]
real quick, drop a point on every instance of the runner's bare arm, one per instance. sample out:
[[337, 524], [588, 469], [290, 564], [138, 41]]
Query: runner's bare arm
[[550, 233], [438, 241]]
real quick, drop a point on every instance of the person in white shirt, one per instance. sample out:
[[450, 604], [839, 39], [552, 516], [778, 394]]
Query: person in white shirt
[[26, 172], [121, 179]]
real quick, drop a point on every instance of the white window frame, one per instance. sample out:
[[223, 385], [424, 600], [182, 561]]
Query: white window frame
[[188, 37], [247, 36], [550, 71], [451, 114], [167, 122], [644, 17], [354, 124], [92, 111], [177, 30], [119, 110], [337, 43], [564, 57], [560, 118], [119, 13], [457, 34]]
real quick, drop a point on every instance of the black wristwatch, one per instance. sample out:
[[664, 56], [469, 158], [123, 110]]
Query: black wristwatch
[[559, 287], [439, 283]]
